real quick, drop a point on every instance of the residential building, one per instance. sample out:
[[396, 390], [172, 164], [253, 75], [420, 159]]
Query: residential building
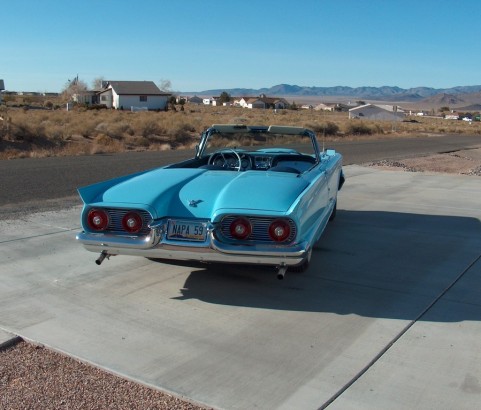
[[133, 95], [325, 107], [452, 116], [194, 100], [261, 102], [88, 97], [377, 112]]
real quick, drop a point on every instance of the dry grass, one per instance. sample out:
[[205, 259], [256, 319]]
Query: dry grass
[[40, 133]]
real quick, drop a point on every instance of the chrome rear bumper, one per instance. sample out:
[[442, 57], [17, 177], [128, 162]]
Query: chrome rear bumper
[[212, 250]]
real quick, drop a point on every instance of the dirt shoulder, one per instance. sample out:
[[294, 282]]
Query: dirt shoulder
[[34, 377], [465, 162]]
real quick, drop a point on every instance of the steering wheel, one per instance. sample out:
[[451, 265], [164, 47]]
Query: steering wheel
[[225, 164]]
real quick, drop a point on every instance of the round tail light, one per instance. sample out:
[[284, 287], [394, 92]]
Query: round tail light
[[98, 220], [132, 222], [279, 230], [240, 228]]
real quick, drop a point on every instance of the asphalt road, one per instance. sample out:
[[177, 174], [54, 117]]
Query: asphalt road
[[37, 184]]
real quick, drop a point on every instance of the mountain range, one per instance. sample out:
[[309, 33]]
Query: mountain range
[[453, 96]]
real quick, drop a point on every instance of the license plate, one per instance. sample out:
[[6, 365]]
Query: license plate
[[187, 230]]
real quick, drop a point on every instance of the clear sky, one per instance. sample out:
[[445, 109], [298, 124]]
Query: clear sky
[[222, 44]]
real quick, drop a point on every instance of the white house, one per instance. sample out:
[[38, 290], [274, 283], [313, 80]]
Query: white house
[[215, 101], [325, 107], [253, 103], [261, 102], [377, 112], [240, 102], [86, 97], [133, 95], [452, 116]]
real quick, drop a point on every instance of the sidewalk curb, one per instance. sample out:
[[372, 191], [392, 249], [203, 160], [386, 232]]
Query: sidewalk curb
[[8, 339]]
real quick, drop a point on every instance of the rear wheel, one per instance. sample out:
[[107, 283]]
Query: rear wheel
[[334, 211]]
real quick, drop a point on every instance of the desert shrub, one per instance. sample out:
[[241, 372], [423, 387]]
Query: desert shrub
[[10, 153], [102, 127], [60, 119], [96, 107], [150, 128], [49, 132], [328, 128], [331, 128], [103, 143], [377, 129], [56, 132], [75, 148], [119, 129], [183, 129], [358, 128], [103, 139], [238, 120], [136, 141], [20, 131], [85, 128]]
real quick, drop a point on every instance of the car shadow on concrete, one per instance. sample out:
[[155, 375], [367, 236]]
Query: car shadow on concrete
[[373, 264]]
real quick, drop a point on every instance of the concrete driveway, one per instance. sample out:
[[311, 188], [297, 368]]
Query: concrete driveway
[[387, 316]]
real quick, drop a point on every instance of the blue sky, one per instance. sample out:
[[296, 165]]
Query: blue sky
[[221, 44]]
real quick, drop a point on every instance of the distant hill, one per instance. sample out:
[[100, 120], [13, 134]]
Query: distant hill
[[385, 93], [444, 99]]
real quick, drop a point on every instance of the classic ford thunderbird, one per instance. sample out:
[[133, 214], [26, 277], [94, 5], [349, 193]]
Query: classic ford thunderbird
[[251, 194]]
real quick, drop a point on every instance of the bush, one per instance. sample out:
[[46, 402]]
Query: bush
[[95, 106], [150, 128], [102, 139], [329, 128], [67, 133], [358, 128], [139, 142]]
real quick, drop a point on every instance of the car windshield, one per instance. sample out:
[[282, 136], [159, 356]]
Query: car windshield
[[259, 139]]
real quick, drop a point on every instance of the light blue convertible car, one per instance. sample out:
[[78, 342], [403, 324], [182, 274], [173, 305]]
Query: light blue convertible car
[[251, 194]]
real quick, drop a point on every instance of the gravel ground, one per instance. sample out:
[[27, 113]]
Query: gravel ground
[[466, 162], [33, 377]]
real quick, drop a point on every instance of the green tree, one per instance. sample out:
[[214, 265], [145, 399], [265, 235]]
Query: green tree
[[224, 97]]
